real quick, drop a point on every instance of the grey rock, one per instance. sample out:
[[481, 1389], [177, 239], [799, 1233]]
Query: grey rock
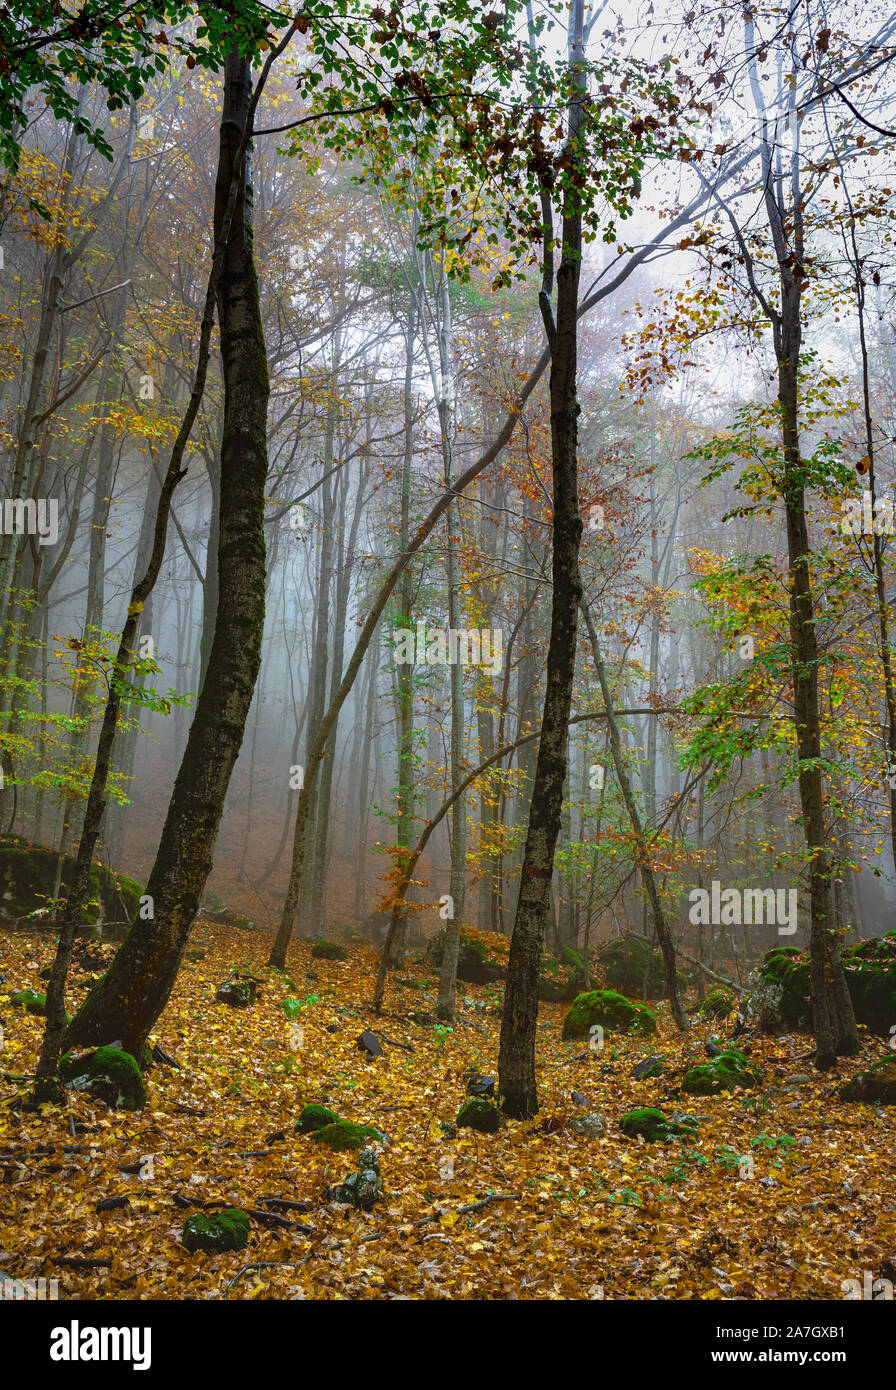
[[592, 1126], [647, 1067]]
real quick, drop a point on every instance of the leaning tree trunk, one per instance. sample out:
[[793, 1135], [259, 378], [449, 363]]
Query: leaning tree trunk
[[129, 999], [516, 1062], [661, 926]]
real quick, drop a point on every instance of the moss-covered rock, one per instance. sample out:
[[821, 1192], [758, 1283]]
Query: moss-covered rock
[[717, 1004], [328, 950], [573, 959], [226, 1230], [474, 965], [109, 1074], [611, 1011], [780, 987], [29, 1000], [625, 962], [723, 1073], [648, 1068], [342, 1135], [28, 876], [556, 991], [239, 994], [876, 1086], [479, 1113], [364, 1188], [315, 1117], [656, 1126], [195, 953]]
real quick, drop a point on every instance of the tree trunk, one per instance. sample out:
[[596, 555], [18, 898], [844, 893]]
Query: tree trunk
[[133, 993], [516, 1062]]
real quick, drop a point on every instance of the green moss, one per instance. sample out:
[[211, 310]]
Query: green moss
[[342, 1135], [479, 1113], [777, 962], [474, 966], [717, 1004], [655, 1126], [239, 994], [870, 970], [315, 1117], [28, 873], [108, 1074], [723, 1073], [328, 950], [226, 1230], [194, 954], [625, 962], [362, 1189], [574, 960], [611, 1011], [29, 1000]]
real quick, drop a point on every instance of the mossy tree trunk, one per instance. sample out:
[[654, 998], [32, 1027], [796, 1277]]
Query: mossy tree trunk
[[129, 999]]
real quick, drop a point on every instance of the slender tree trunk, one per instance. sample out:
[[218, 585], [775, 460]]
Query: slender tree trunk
[[661, 927], [129, 999], [516, 1062]]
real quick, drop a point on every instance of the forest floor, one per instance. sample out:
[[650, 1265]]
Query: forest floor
[[578, 1218]]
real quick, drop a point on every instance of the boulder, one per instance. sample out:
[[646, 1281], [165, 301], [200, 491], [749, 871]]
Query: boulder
[[876, 1086], [239, 994], [474, 965], [342, 1135], [27, 877], [611, 1011], [625, 962], [656, 1126], [109, 1074], [725, 1072], [779, 987], [362, 1189], [226, 1230], [314, 1117], [717, 1004], [368, 1043], [648, 1068], [328, 950], [479, 1113], [592, 1126], [29, 1000]]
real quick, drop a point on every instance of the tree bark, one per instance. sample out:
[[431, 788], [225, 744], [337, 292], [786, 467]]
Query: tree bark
[[516, 1062], [129, 999]]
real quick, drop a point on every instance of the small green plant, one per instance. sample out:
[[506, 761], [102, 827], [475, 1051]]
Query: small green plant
[[293, 1008], [782, 1146], [625, 1197], [440, 1033], [690, 1162]]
